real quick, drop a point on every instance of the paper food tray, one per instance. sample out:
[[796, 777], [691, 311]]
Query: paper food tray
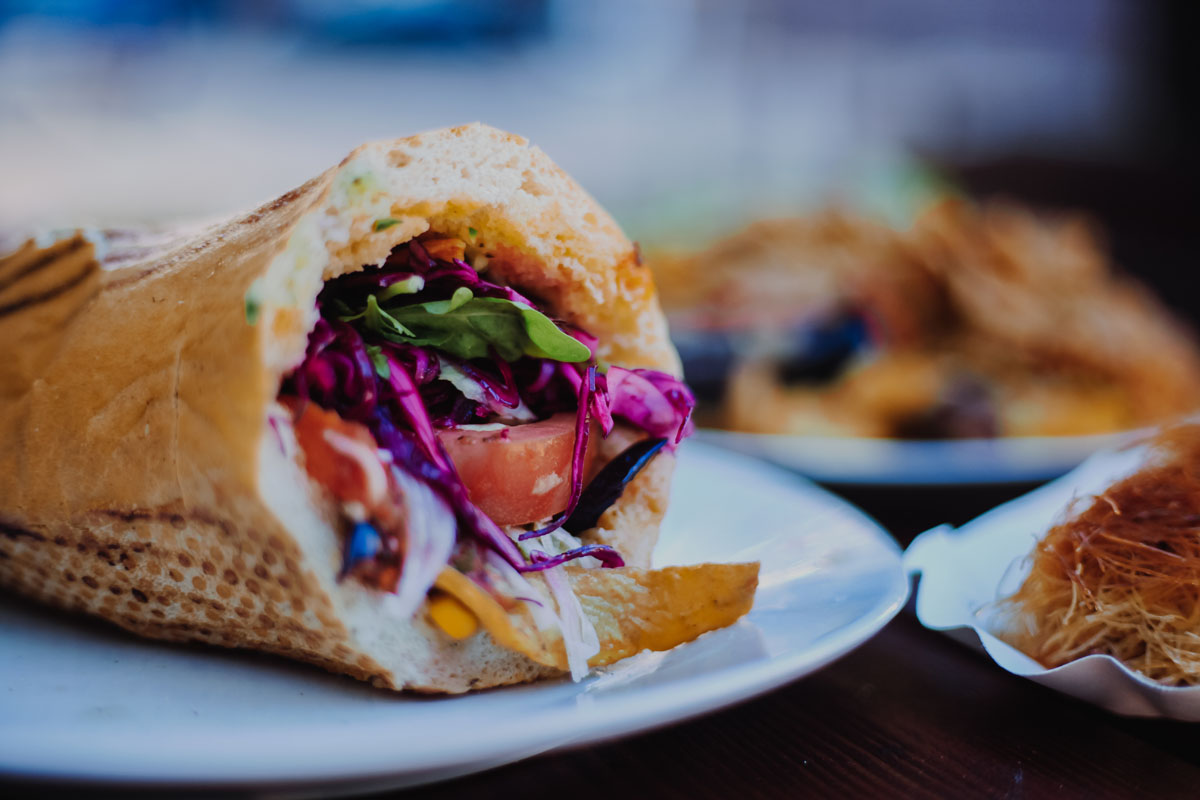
[[963, 570]]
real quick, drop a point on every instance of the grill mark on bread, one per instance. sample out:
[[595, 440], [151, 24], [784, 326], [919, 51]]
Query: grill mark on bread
[[47, 257], [49, 294], [163, 261], [116, 577], [276, 204], [14, 532], [178, 520], [165, 255], [126, 280], [128, 516]]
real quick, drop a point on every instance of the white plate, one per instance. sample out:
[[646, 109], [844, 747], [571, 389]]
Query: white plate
[[81, 701], [898, 462], [964, 570]]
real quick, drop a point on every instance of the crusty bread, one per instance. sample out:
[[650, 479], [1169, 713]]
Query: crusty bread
[[147, 475]]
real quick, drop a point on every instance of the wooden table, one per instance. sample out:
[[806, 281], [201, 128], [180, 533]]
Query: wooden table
[[909, 714]]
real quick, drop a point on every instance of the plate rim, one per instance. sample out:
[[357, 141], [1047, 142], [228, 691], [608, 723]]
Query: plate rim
[[790, 451]]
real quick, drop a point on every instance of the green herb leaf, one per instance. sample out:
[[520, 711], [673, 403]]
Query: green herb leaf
[[387, 222], [547, 341], [379, 361], [468, 327], [410, 285], [253, 309], [381, 321], [473, 232], [462, 295], [342, 310]]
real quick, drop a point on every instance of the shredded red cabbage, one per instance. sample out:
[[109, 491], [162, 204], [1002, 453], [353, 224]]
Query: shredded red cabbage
[[546, 370], [404, 392], [400, 393], [585, 338], [587, 387], [658, 403], [603, 553], [413, 259], [337, 370], [409, 454], [600, 404], [499, 388]]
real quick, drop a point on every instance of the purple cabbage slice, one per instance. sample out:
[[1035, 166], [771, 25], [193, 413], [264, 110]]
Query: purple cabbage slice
[[656, 402], [587, 386], [602, 552]]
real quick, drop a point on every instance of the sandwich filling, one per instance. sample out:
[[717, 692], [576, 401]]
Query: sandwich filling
[[455, 423]]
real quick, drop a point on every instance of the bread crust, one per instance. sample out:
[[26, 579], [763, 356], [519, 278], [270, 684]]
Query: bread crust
[[146, 473]]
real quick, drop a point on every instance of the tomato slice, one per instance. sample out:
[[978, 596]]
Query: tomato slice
[[516, 475], [522, 473], [340, 455]]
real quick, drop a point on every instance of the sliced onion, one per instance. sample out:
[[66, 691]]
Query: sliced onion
[[429, 536], [579, 634]]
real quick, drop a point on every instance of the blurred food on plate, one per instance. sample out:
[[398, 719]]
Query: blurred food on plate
[[983, 319]]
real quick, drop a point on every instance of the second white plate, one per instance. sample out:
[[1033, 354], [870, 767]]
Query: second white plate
[[81, 701], [899, 462]]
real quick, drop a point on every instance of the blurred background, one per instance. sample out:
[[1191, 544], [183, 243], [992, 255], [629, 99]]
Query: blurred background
[[684, 117]]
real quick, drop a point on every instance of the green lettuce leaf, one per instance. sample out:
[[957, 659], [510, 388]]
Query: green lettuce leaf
[[466, 326], [410, 285], [379, 361]]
